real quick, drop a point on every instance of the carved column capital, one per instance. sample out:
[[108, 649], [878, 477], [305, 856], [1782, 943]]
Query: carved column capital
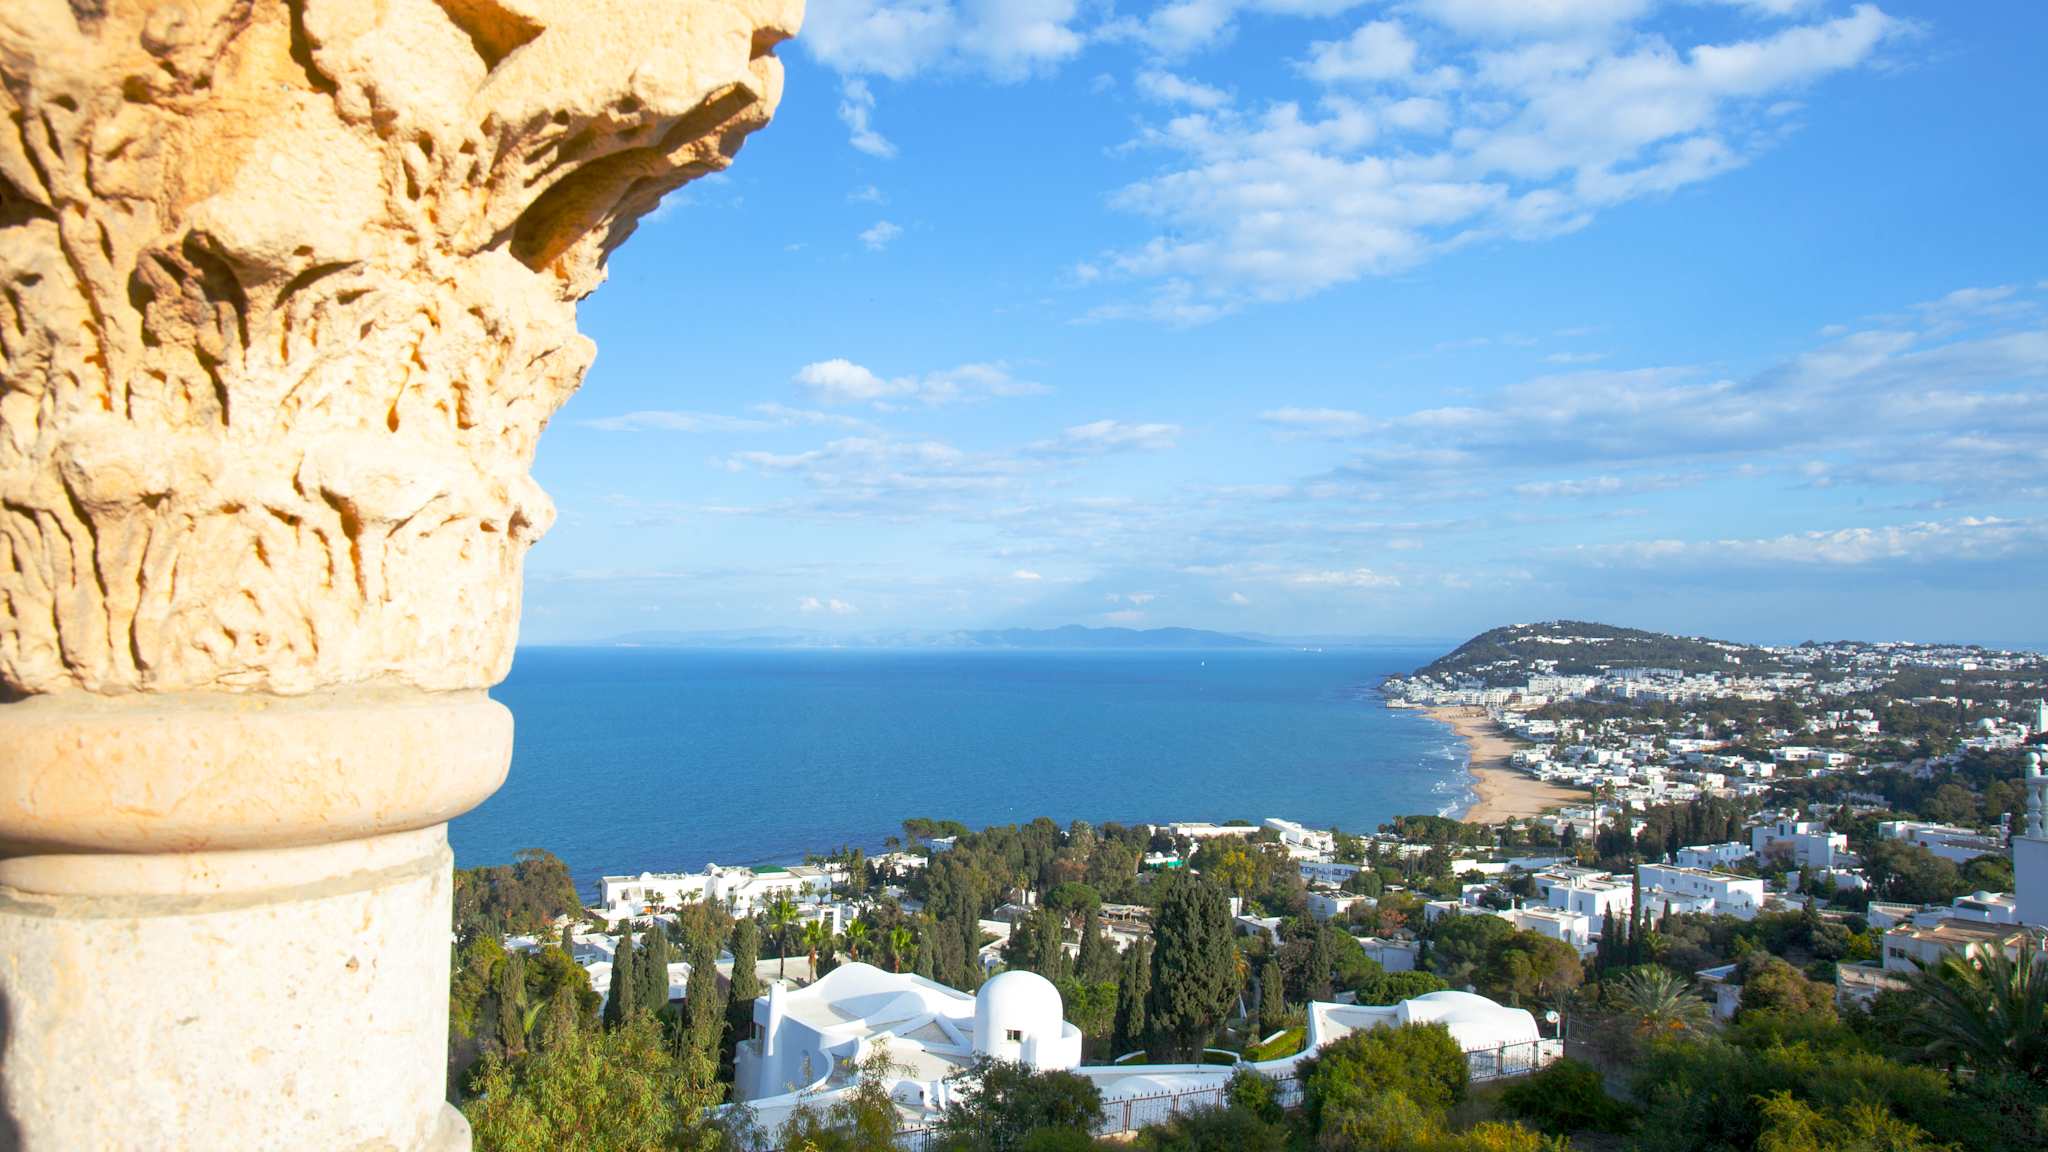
[[287, 294]]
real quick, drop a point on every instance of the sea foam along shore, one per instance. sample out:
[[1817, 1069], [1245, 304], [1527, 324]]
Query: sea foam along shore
[[1501, 792]]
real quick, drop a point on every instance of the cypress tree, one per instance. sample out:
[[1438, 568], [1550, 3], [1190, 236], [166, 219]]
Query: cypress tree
[[1194, 966], [746, 960], [569, 939], [926, 964], [1097, 961], [619, 1005], [704, 1002], [508, 994], [1132, 1030], [1272, 996], [652, 968], [1315, 981]]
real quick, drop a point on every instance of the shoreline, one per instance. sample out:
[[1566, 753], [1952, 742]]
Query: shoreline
[[1500, 792]]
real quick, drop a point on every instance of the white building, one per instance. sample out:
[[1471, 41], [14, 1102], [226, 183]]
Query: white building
[[1704, 891], [1326, 872], [1803, 843], [1713, 855], [1947, 841], [807, 1044], [1331, 905], [1574, 928], [744, 891], [1299, 836], [1595, 897]]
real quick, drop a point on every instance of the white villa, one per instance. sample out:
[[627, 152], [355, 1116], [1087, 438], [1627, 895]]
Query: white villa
[[1700, 890], [1803, 843], [808, 1043], [742, 890]]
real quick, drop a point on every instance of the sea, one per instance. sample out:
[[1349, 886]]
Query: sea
[[661, 759]]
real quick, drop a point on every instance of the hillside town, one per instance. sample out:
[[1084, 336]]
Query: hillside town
[[1816, 837]]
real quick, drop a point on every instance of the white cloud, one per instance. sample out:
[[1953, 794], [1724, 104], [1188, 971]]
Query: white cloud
[[1965, 539], [1380, 50], [1343, 578], [1025, 574], [1105, 436], [1006, 39], [1167, 88], [1239, 599], [879, 236], [870, 194], [841, 381], [1126, 616], [1515, 18], [1332, 423], [1178, 27], [811, 605], [856, 110], [1547, 112], [762, 417]]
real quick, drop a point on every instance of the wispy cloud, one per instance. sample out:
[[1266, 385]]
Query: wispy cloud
[[879, 235], [841, 381]]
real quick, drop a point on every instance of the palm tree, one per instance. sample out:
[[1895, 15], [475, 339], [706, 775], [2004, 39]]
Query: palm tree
[[855, 938], [1655, 1001], [900, 941], [1987, 1009], [781, 917], [817, 937]]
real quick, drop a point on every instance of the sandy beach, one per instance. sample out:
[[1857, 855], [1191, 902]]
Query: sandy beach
[[1503, 791]]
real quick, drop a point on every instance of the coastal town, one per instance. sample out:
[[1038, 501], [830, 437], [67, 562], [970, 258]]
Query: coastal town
[[1724, 837]]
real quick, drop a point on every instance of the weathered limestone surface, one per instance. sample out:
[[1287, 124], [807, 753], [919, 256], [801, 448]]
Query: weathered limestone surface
[[287, 294]]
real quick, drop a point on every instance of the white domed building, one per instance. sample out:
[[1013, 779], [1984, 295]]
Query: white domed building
[[1019, 1017], [808, 1043]]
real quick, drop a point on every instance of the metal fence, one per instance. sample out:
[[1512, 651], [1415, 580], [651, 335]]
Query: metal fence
[[1510, 1060]]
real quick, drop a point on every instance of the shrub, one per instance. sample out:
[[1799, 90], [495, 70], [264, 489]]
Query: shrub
[[1001, 1103], [1420, 1063], [1230, 1129], [1568, 1096], [1254, 1094]]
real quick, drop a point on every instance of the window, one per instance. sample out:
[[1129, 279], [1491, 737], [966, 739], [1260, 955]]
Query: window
[[1014, 1036]]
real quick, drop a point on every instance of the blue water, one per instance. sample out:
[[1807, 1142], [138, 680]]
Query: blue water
[[658, 759]]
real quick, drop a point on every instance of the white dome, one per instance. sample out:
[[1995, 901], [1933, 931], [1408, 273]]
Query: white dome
[[1013, 1009]]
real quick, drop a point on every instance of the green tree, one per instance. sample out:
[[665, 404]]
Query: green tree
[[1394, 987], [1460, 945], [1989, 1011], [1194, 966], [746, 961], [1133, 1029], [817, 937], [856, 939], [594, 1092], [508, 1007], [998, 1105], [1272, 997], [620, 1004], [902, 942], [650, 966], [1316, 972], [1421, 1063], [1772, 985], [781, 918], [1097, 961], [1650, 1001], [704, 1001], [1529, 968]]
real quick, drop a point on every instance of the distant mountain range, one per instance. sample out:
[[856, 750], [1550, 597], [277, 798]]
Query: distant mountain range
[[1070, 638]]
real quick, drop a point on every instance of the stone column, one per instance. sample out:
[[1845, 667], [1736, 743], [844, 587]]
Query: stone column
[[287, 294]]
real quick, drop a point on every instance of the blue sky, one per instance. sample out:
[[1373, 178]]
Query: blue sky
[[1307, 316]]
